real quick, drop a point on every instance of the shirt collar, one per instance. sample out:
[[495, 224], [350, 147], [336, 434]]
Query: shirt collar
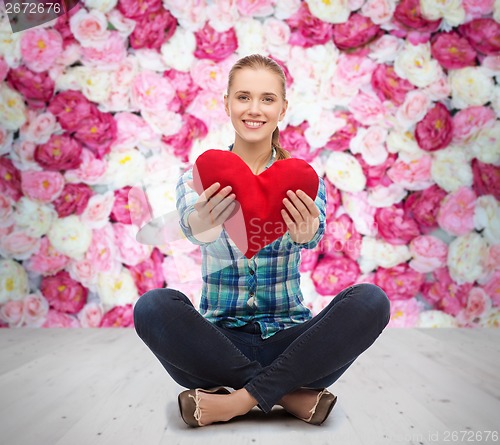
[[273, 157]]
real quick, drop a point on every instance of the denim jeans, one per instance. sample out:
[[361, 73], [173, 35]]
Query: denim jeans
[[314, 354]]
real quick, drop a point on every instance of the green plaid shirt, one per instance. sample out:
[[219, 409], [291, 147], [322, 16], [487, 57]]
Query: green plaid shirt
[[237, 290]]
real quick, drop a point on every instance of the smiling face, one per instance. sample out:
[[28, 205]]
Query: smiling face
[[255, 104]]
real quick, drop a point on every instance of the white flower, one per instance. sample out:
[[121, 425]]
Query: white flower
[[345, 172], [101, 5], [99, 206], [470, 86], [385, 48], [487, 218], [331, 12], [90, 28], [467, 256], [451, 11], [125, 167], [379, 11], [405, 144], [178, 51], [436, 319], [245, 27], [33, 218], [380, 196], [495, 101], [70, 236], [191, 15], [496, 11], [375, 253], [415, 63], [12, 108], [116, 289], [451, 168], [94, 83], [322, 128], [13, 281], [370, 142], [284, 9], [10, 44], [485, 146]]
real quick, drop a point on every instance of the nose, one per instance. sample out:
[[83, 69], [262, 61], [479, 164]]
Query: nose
[[254, 107]]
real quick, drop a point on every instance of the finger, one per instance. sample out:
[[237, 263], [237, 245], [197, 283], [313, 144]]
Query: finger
[[223, 209], [299, 204], [309, 202], [288, 221], [297, 216]]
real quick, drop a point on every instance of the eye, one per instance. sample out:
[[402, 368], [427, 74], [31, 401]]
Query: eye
[[270, 99], [240, 97]]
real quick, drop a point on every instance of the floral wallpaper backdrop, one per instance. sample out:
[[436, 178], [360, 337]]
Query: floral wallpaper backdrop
[[395, 104]]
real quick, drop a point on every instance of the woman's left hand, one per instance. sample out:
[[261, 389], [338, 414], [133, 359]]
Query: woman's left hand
[[305, 216]]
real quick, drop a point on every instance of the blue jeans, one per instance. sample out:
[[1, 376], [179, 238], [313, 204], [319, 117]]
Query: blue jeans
[[314, 354]]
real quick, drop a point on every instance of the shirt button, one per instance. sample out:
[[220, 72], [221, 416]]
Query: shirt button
[[251, 294], [251, 272]]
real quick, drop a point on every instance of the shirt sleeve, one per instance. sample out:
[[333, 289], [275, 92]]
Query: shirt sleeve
[[320, 201], [185, 199]]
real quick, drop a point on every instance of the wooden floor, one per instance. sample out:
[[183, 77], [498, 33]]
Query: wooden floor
[[103, 386]]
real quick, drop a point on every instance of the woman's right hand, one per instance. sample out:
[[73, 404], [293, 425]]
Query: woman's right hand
[[212, 209]]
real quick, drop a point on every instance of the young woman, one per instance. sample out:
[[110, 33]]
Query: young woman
[[253, 333]]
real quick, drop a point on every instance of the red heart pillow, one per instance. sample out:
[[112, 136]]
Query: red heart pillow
[[257, 221]]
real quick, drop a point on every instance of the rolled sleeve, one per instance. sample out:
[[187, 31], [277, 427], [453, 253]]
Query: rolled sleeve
[[185, 200], [320, 201]]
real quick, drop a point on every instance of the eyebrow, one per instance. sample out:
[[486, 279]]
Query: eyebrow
[[263, 94]]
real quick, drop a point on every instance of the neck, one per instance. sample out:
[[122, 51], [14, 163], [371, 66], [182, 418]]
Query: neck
[[256, 156]]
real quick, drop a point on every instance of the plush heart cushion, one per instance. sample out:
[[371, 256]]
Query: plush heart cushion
[[256, 220]]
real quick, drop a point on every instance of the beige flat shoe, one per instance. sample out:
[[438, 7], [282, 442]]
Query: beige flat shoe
[[189, 404], [321, 410]]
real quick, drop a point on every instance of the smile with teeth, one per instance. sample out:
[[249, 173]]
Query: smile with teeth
[[253, 124]]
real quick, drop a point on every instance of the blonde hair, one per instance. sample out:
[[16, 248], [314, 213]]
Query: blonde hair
[[256, 61]]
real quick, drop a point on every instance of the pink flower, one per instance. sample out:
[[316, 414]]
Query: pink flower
[[133, 8], [414, 175], [295, 142], [90, 171], [307, 30], [112, 52], [129, 251], [150, 91], [456, 214], [452, 51], [389, 86], [353, 71], [435, 130], [121, 210], [73, 199], [414, 108], [43, 186], [429, 253], [380, 11], [63, 293], [409, 14], [97, 132], [10, 179], [423, 207], [152, 30], [399, 282], [357, 31], [47, 261], [182, 141], [341, 139], [477, 8], [185, 88], [89, 27], [478, 303], [482, 34], [4, 69], [35, 309], [61, 152], [148, 274], [91, 315], [39, 127], [133, 130], [214, 45], [57, 319], [376, 174], [444, 293], [309, 259], [40, 47], [333, 274], [258, 8], [486, 178], [467, 122], [18, 244], [37, 88], [118, 317], [395, 226], [341, 236], [102, 251], [405, 313], [333, 199], [492, 288], [12, 313], [367, 109], [70, 107]]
